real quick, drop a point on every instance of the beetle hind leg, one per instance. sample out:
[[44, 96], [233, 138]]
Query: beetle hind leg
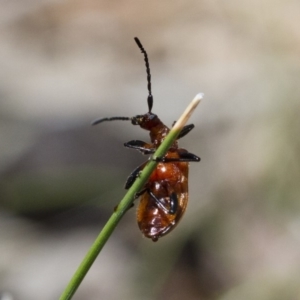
[[173, 203], [133, 176]]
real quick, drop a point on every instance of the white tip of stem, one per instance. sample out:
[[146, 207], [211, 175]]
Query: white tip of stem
[[187, 113], [198, 97]]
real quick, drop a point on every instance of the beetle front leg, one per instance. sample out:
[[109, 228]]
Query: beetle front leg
[[141, 146], [185, 130]]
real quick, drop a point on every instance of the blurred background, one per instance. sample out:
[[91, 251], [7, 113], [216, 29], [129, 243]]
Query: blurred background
[[65, 63]]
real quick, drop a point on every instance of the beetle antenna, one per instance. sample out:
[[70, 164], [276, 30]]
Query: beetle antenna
[[110, 119], [150, 97]]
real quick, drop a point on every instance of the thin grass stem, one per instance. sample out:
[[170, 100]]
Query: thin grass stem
[[126, 203]]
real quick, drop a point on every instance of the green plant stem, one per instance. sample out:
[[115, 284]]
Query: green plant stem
[[126, 203]]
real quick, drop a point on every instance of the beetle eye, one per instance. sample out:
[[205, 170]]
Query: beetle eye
[[137, 120], [134, 121]]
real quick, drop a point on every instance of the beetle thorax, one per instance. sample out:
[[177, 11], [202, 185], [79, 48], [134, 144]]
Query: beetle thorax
[[151, 122]]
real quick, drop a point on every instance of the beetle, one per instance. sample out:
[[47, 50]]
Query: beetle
[[164, 197]]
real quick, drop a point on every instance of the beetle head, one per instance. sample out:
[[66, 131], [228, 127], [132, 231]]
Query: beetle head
[[146, 121]]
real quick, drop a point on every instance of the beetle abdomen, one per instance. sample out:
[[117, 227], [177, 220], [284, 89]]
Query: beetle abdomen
[[154, 221]]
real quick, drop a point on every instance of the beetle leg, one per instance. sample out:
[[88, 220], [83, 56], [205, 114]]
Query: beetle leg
[[173, 204], [187, 156], [141, 146], [183, 157], [132, 177], [185, 130], [140, 193]]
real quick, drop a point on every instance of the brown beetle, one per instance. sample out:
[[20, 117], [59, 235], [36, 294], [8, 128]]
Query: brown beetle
[[164, 198]]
